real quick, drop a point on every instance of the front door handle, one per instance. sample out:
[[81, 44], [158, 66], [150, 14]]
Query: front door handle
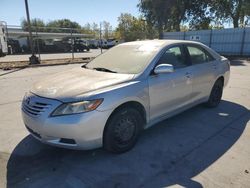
[[188, 74]]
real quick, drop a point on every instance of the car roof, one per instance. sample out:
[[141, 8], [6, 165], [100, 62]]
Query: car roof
[[159, 42]]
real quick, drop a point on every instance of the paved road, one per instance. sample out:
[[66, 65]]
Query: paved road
[[198, 148], [91, 53]]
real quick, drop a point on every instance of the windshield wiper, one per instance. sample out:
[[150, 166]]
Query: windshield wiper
[[103, 69]]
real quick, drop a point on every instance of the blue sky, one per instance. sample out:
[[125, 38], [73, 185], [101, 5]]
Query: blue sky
[[81, 11]]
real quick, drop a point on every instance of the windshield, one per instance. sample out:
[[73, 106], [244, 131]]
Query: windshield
[[127, 58]]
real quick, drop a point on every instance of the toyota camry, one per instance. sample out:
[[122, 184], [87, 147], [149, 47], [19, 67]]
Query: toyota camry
[[109, 101]]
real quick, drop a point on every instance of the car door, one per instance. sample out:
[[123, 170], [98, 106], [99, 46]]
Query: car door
[[203, 69], [170, 91]]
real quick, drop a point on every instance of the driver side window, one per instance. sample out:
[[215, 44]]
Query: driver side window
[[173, 56]]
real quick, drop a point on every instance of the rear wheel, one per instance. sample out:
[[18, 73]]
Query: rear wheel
[[215, 95], [1, 53], [122, 130]]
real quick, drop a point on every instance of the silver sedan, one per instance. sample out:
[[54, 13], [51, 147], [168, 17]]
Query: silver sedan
[[109, 101]]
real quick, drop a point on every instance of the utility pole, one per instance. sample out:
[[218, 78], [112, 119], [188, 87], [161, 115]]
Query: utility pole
[[72, 43], [33, 59], [101, 36]]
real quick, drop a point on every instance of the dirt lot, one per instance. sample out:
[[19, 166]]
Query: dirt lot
[[198, 148]]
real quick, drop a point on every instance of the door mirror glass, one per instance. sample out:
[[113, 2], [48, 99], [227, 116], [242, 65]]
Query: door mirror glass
[[163, 68]]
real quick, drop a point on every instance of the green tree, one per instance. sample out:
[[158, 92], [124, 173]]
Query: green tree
[[199, 15], [235, 10], [156, 13], [95, 29], [178, 14], [167, 15], [36, 25], [131, 28], [63, 23], [107, 29], [245, 14], [91, 28], [87, 29]]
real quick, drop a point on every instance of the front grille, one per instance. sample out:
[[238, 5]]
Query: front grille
[[33, 107]]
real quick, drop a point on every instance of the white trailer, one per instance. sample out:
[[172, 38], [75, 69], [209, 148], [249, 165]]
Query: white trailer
[[3, 39]]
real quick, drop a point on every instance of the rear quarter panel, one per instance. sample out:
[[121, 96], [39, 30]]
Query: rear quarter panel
[[224, 69]]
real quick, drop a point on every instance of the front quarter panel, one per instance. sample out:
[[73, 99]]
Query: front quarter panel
[[117, 95]]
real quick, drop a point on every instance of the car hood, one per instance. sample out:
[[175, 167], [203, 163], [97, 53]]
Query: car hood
[[70, 84]]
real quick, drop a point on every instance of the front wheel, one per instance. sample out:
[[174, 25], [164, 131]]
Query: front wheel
[[122, 130], [215, 95]]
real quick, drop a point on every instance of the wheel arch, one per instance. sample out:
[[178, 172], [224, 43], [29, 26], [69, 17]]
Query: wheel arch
[[221, 78], [134, 104]]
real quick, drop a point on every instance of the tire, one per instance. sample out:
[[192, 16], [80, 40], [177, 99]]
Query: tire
[[122, 130], [1, 53], [215, 95]]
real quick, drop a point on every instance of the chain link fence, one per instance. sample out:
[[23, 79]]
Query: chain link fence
[[53, 43], [72, 43]]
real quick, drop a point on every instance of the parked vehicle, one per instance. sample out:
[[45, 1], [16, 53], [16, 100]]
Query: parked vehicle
[[93, 44], [57, 46], [3, 39], [80, 45], [112, 42], [109, 101], [109, 43], [62, 45], [14, 46]]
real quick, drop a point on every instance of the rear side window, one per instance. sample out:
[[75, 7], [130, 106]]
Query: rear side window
[[173, 56], [199, 55]]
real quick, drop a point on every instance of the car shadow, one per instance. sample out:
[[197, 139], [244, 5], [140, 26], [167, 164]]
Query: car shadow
[[238, 63], [172, 152]]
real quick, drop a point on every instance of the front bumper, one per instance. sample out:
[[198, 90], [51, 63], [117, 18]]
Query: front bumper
[[79, 131]]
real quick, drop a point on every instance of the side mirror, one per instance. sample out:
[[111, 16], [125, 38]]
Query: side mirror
[[163, 68]]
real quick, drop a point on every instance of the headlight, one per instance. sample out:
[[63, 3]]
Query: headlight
[[76, 107]]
